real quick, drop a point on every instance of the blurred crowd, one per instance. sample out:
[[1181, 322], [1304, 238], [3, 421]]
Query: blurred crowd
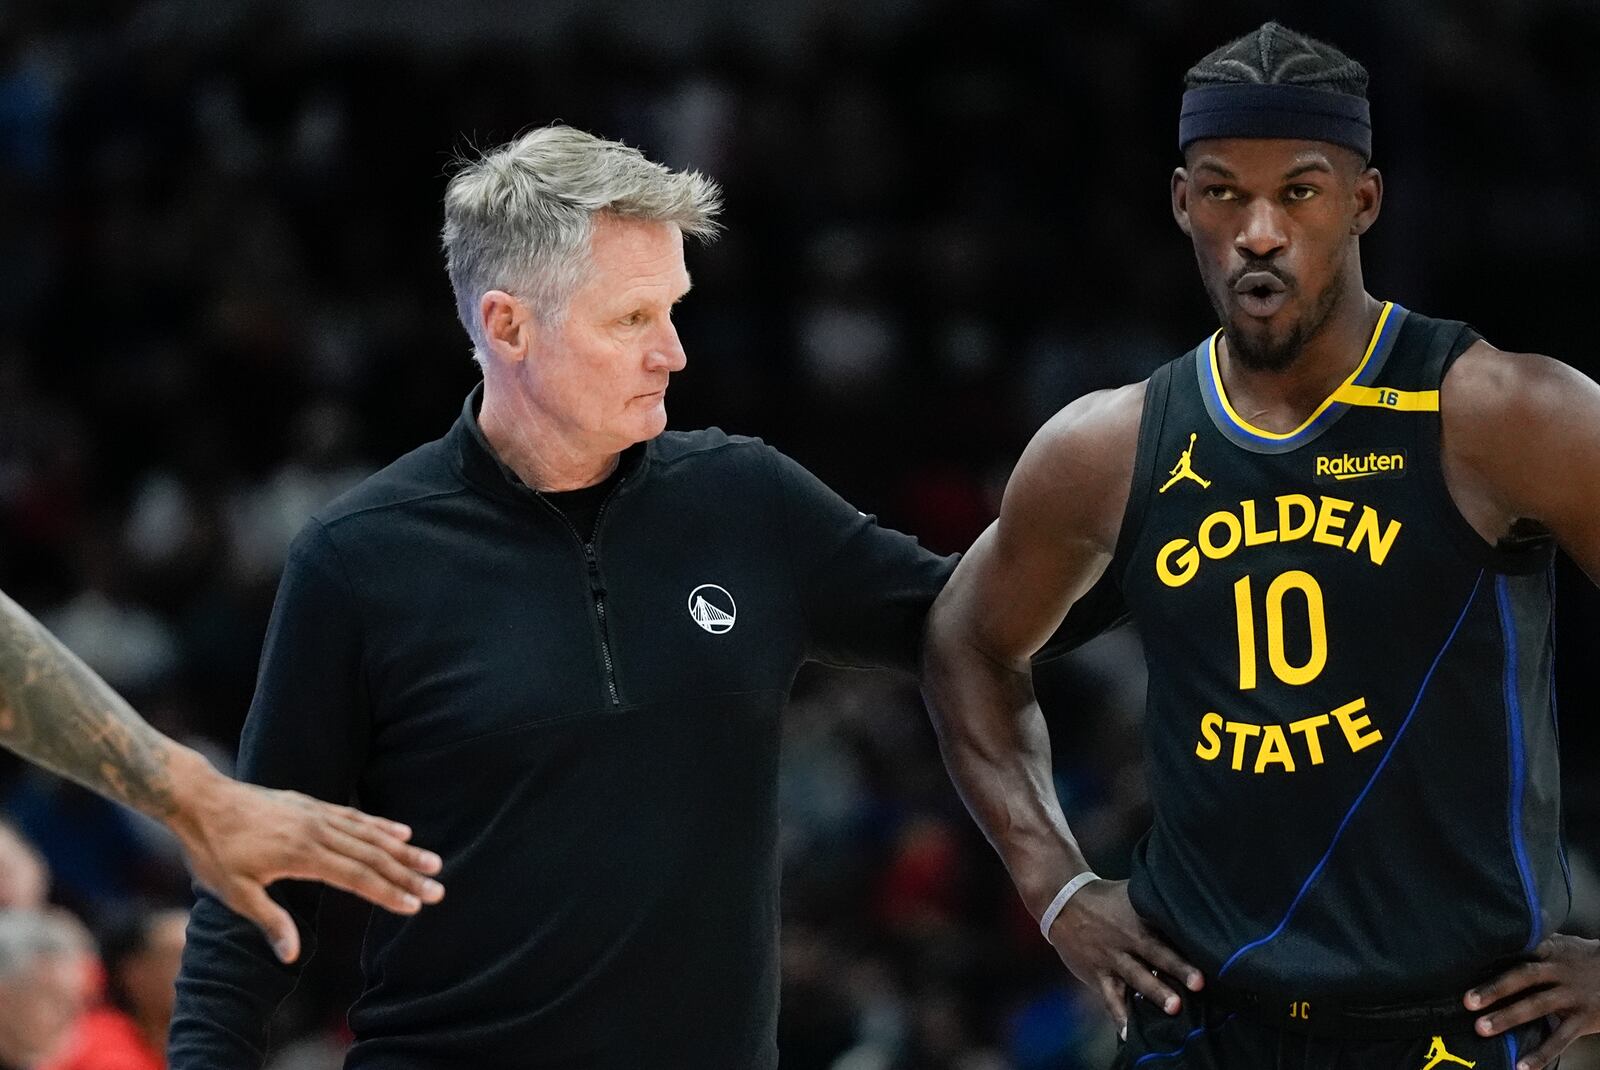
[[222, 303]]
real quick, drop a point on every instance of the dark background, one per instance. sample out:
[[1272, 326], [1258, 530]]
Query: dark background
[[222, 301]]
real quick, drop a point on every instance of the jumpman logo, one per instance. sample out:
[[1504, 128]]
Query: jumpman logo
[[1437, 1053], [1184, 469]]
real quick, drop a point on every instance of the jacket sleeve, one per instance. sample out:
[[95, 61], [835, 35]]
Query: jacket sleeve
[[865, 589], [307, 730]]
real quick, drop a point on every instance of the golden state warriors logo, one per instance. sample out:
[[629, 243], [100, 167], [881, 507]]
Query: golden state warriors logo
[[712, 608], [1184, 469], [1438, 1053]]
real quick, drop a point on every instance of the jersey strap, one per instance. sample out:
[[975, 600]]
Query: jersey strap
[[1151, 422], [1379, 397]]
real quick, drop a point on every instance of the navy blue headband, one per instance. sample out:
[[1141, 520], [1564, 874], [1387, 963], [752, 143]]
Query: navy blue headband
[[1279, 111]]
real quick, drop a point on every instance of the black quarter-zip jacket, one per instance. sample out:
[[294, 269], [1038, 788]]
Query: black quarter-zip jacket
[[584, 725]]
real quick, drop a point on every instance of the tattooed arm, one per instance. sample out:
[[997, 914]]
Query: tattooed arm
[[56, 713]]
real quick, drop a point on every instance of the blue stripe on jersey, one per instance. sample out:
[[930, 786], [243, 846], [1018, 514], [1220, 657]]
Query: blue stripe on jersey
[[1511, 1051], [1555, 727], [1382, 763], [1179, 1050], [1519, 772]]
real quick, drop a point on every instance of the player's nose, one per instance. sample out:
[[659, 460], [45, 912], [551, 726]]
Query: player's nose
[[1262, 234]]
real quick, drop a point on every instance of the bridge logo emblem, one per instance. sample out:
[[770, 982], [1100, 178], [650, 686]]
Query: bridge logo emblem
[[712, 608]]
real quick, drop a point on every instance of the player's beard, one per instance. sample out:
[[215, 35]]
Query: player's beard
[[1257, 347]]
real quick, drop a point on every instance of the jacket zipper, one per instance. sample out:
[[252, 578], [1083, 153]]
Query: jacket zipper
[[597, 590]]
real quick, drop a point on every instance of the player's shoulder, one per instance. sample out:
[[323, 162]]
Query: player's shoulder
[[1500, 390], [1076, 473], [1097, 429]]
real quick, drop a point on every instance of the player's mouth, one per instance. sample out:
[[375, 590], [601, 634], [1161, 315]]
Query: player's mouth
[[1260, 294]]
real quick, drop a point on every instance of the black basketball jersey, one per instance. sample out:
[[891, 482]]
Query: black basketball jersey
[[1350, 726]]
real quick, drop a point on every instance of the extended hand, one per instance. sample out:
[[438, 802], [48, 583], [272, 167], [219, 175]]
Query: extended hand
[[240, 838], [1108, 947], [1563, 980]]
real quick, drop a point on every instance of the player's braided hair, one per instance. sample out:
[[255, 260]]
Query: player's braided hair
[[1276, 55]]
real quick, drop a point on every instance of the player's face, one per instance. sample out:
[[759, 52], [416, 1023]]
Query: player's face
[[603, 371], [1275, 226]]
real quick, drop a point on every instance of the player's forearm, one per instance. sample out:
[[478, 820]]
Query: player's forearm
[[996, 749], [57, 713]]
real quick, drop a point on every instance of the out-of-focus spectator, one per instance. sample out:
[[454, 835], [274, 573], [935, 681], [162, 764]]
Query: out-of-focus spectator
[[43, 984], [24, 877], [140, 954]]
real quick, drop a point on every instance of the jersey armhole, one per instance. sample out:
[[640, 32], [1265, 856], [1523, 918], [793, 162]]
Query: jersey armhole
[[1523, 558], [1152, 421]]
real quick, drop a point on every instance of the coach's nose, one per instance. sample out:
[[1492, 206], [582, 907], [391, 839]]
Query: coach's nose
[[666, 351]]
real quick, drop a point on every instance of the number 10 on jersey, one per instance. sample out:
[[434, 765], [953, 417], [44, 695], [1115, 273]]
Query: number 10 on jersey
[[1273, 607]]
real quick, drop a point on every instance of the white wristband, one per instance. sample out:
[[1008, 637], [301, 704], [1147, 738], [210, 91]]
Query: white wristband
[[1059, 903]]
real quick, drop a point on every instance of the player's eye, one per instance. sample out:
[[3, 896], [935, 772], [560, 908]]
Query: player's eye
[[1301, 193], [1220, 193]]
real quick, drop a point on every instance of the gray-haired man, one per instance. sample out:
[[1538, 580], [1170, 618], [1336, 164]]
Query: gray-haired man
[[44, 962], [557, 643]]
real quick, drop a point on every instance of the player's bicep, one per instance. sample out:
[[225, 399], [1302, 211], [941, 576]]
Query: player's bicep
[[1058, 523], [1536, 426], [1015, 587], [1564, 492]]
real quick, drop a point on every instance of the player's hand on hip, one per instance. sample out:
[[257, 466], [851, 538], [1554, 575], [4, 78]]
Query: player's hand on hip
[[240, 838], [1562, 980], [1108, 947]]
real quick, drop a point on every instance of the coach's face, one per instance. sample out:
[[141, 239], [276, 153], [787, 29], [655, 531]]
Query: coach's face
[[1275, 225], [599, 377]]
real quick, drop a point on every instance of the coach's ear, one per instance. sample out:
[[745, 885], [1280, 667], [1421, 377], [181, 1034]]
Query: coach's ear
[[507, 324], [1180, 199]]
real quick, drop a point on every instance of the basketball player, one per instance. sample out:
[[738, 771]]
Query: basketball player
[[55, 712], [1333, 521]]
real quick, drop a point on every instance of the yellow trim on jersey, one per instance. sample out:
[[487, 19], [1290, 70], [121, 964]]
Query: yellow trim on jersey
[[1349, 383], [1381, 397]]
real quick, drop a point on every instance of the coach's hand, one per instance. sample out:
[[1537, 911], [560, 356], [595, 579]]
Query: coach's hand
[[239, 838], [1563, 980], [1108, 947]]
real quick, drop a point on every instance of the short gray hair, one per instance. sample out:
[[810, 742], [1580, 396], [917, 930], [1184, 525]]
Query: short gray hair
[[27, 936], [519, 217]]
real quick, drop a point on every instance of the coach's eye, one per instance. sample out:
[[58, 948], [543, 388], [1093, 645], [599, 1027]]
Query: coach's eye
[[632, 319]]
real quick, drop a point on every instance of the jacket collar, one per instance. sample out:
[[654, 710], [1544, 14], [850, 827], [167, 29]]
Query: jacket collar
[[483, 469]]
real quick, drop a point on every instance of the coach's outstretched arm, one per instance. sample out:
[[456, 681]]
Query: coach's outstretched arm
[[57, 713], [1057, 530], [1522, 442]]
